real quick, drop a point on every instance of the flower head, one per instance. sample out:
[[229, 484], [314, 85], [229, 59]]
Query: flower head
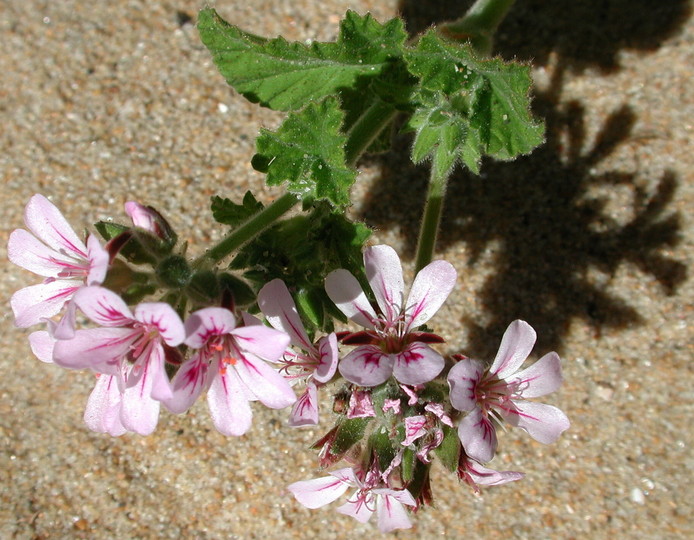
[[390, 345], [315, 363], [230, 362], [52, 249], [500, 392], [128, 346], [370, 496]]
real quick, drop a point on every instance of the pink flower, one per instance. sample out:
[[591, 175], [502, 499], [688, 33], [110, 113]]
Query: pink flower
[[360, 404], [230, 362], [475, 475], [52, 249], [131, 348], [367, 499], [390, 345], [314, 363], [499, 393], [149, 219]]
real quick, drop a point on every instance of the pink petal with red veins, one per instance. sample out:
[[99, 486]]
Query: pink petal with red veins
[[543, 377], [305, 410], [478, 436], [141, 216], [207, 323], [390, 510], [366, 366], [319, 491], [98, 261], [48, 225], [279, 309], [41, 344], [140, 411], [415, 427], [266, 343], [65, 329], [230, 411], [358, 506], [103, 306], [346, 293], [384, 273], [100, 349], [431, 287], [515, 347], [463, 379], [544, 423], [268, 385], [25, 250], [165, 319], [328, 356], [31, 305], [488, 477], [103, 407], [189, 382], [417, 364], [161, 385]]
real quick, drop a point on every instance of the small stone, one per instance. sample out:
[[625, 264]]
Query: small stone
[[637, 496]]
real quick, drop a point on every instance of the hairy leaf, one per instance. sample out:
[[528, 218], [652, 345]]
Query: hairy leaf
[[287, 76], [230, 213], [307, 151], [469, 107]]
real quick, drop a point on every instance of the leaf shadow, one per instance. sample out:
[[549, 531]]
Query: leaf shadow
[[581, 34], [548, 221]]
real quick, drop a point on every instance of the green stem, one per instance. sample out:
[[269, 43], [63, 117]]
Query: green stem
[[253, 226], [431, 219], [360, 136], [479, 24], [366, 128]]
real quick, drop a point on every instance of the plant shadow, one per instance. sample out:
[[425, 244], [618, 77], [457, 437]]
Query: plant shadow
[[582, 34], [550, 220]]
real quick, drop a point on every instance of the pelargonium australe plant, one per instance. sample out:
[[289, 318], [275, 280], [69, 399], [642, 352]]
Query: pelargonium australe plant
[[263, 315]]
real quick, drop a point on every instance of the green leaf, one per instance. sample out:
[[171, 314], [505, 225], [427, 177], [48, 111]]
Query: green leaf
[[307, 151], [349, 433], [302, 250], [468, 107], [382, 446], [449, 449], [229, 213], [287, 76]]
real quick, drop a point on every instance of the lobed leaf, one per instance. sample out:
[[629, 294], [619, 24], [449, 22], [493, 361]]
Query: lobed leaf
[[468, 107], [228, 212], [287, 76], [307, 151]]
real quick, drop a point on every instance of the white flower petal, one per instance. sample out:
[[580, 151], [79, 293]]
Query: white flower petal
[[366, 366], [431, 287], [279, 309], [346, 293], [478, 436], [515, 347], [463, 378], [384, 273], [417, 364], [544, 423]]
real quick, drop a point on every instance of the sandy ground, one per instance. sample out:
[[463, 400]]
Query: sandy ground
[[589, 239]]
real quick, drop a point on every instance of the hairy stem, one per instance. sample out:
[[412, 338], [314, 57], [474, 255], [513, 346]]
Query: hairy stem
[[253, 226], [362, 133], [479, 24], [431, 219], [366, 128]]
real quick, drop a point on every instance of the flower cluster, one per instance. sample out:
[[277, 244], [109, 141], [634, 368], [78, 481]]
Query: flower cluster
[[161, 338]]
